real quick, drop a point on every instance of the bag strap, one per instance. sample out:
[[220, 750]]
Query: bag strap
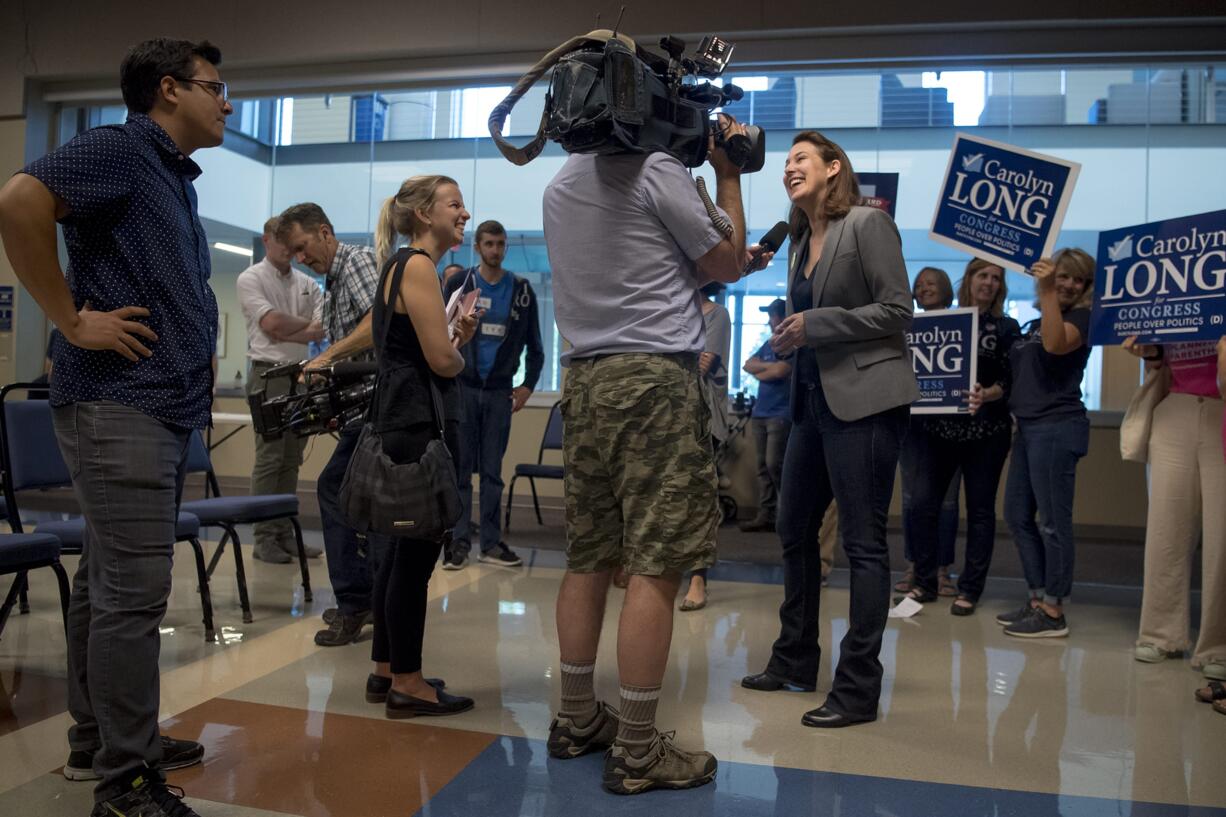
[[384, 328], [498, 116]]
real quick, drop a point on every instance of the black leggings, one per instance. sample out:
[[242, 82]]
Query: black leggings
[[403, 568]]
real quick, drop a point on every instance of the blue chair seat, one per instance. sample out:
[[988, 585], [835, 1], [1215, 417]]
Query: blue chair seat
[[71, 532], [532, 469], [243, 509], [28, 548]]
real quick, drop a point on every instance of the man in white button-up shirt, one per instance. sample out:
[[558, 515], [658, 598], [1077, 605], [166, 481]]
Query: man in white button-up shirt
[[282, 307]]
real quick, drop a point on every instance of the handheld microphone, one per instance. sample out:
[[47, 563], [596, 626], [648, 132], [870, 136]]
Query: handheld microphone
[[769, 243]]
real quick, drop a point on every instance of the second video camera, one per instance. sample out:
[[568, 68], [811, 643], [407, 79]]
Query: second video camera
[[333, 398]]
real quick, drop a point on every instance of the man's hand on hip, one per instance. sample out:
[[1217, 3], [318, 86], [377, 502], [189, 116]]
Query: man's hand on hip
[[112, 330]]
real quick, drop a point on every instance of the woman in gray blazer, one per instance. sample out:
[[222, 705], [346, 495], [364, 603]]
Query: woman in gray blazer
[[849, 305]]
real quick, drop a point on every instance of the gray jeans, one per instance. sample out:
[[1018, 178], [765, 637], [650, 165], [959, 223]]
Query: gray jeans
[[276, 467], [771, 440], [127, 470]]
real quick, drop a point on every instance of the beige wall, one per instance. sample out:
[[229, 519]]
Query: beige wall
[[1110, 493]]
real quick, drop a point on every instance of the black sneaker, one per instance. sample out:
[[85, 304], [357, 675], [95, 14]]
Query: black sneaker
[[1014, 616], [500, 554], [148, 796], [176, 754], [343, 630], [455, 561], [1038, 625]]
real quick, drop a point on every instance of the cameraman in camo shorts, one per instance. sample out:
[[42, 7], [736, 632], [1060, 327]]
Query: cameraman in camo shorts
[[630, 243]]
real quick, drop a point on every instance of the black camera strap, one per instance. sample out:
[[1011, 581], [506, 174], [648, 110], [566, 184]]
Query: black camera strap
[[498, 116], [384, 327]]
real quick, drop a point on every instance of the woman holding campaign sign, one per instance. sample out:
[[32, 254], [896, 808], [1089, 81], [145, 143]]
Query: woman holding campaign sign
[[849, 306], [1187, 503], [931, 291], [977, 443], [1053, 433]]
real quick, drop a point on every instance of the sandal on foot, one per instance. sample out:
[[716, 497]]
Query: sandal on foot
[[1219, 706], [965, 608], [907, 581], [919, 594], [1216, 691], [945, 585]]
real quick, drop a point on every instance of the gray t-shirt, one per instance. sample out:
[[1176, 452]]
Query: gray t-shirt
[[623, 233]]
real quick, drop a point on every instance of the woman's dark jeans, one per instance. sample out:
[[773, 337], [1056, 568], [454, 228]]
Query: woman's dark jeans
[[936, 462], [852, 463], [947, 527], [1039, 500]]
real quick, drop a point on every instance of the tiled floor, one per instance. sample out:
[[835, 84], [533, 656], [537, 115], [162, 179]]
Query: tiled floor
[[972, 723]]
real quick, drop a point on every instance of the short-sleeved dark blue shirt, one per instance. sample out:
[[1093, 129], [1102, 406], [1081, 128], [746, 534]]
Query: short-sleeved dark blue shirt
[[135, 239], [773, 395]]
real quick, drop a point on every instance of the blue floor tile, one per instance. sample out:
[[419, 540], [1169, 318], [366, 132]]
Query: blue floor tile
[[515, 777]]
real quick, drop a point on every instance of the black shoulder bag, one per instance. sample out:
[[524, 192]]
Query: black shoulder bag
[[419, 500]]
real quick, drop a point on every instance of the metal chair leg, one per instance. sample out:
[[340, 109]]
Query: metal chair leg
[[24, 609], [506, 520], [206, 598], [61, 577], [10, 600], [240, 574], [302, 559], [221, 546], [536, 503]]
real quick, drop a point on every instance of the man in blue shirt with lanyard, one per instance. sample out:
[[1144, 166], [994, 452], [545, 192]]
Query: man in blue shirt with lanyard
[[509, 326], [132, 381], [771, 421]]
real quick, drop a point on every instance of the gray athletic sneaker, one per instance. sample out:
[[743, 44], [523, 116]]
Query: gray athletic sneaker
[[664, 766], [566, 740]]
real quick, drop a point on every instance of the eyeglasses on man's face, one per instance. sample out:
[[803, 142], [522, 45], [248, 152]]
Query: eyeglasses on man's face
[[218, 89]]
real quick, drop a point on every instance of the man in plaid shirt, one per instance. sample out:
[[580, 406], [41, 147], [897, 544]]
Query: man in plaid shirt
[[351, 278]]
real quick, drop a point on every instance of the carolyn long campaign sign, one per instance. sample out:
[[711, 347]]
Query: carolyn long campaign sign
[[1164, 282], [944, 351], [1002, 203]]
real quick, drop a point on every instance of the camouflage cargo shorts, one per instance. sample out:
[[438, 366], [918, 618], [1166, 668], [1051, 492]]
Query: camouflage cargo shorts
[[640, 474]]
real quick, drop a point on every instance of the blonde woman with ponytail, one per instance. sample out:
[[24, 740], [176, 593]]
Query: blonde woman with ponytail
[[414, 351]]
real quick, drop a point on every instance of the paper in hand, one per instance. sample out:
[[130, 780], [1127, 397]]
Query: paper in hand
[[459, 305]]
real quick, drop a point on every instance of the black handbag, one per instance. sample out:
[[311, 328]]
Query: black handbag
[[418, 500]]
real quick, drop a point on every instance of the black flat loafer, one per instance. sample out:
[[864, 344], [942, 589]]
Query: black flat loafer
[[406, 706], [377, 687], [765, 682], [826, 718]]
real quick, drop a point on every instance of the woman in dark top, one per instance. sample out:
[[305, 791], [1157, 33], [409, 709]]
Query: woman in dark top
[[977, 444], [931, 290], [1053, 433], [415, 352]]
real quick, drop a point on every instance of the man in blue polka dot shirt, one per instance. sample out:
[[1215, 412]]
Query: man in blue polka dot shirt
[[132, 380]]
